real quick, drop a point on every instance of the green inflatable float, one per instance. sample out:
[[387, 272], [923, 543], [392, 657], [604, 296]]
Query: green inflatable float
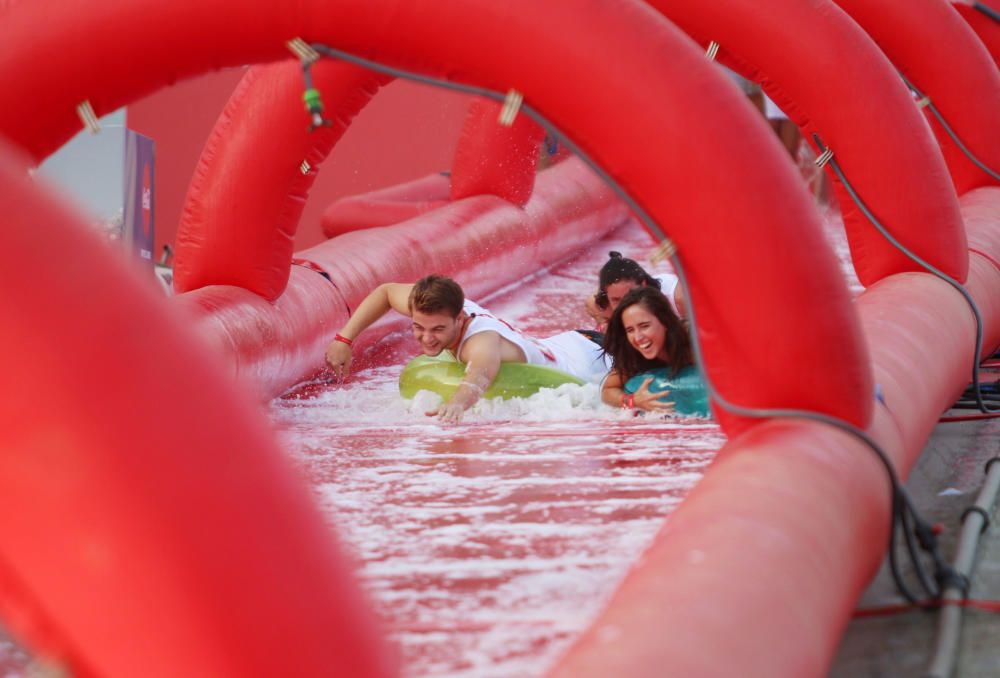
[[443, 375]]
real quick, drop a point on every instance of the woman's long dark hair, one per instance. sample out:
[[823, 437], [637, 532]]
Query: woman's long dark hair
[[618, 268], [627, 361]]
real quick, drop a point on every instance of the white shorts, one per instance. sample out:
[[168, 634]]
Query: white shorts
[[577, 355]]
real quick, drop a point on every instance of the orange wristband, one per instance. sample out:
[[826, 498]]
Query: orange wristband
[[343, 340], [628, 401]]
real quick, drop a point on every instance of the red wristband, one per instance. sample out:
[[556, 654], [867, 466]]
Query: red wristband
[[628, 401], [343, 340]]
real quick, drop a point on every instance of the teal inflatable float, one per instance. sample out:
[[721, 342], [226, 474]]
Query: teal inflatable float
[[687, 389], [442, 376]]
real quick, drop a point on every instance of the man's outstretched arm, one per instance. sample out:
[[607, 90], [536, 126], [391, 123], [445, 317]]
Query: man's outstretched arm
[[395, 296], [481, 355]]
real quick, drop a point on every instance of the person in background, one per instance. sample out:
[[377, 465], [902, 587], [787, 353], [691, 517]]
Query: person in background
[[618, 276]]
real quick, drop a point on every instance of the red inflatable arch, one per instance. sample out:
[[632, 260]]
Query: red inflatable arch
[[826, 74], [165, 519], [688, 131], [253, 178], [938, 52], [246, 197]]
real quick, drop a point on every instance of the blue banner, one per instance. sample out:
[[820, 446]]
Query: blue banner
[[139, 225]]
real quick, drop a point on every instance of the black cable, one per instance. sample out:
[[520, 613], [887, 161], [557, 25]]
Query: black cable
[[966, 399], [910, 532], [970, 398], [987, 10], [964, 403], [969, 405], [989, 390], [947, 128], [894, 569], [900, 504]]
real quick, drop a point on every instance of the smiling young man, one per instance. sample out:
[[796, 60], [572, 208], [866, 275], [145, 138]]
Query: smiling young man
[[444, 320]]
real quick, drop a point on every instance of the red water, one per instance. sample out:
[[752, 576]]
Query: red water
[[488, 546]]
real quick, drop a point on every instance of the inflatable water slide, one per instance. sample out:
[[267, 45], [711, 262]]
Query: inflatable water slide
[[179, 540]]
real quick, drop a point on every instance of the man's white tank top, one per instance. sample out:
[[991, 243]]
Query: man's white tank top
[[481, 320]]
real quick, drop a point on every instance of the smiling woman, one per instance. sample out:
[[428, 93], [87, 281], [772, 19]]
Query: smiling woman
[[644, 334]]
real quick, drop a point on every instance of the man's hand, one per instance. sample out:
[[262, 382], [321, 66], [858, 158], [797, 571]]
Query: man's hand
[[643, 399], [386, 296], [481, 354], [449, 413], [465, 397], [338, 357]]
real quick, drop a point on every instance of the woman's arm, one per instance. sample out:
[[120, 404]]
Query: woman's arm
[[613, 393], [612, 390]]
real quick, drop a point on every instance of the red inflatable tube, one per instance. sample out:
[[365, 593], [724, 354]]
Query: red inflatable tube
[[690, 134], [941, 55], [985, 27], [245, 200], [758, 570], [268, 346], [570, 208], [813, 60], [273, 346], [386, 206], [149, 523], [247, 245], [495, 160]]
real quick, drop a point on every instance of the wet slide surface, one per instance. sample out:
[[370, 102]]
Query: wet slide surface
[[487, 547]]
